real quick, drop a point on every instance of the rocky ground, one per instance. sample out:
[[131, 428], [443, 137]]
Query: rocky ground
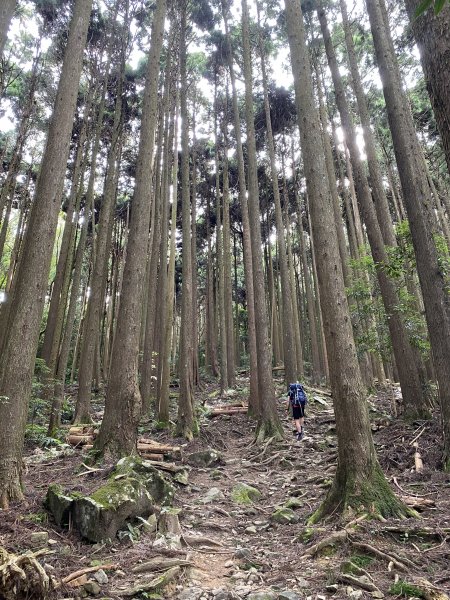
[[240, 528]]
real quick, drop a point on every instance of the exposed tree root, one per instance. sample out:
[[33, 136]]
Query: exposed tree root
[[338, 537], [153, 585], [21, 576], [357, 582]]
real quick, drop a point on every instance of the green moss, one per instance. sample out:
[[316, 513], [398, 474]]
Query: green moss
[[115, 492], [361, 560], [307, 534], [39, 517], [245, 494], [402, 588]]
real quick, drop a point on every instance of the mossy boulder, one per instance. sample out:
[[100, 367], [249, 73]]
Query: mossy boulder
[[242, 493], [284, 515], [59, 503], [99, 516], [205, 458], [161, 490], [135, 489]]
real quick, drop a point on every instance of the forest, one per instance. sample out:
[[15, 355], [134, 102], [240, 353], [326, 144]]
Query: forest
[[203, 202]]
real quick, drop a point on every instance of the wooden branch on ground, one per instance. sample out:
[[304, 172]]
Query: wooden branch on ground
[[199, 540], [80, 572], [151, 447]]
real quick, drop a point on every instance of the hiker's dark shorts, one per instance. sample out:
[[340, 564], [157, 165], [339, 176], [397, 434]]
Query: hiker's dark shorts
[[298, 411]]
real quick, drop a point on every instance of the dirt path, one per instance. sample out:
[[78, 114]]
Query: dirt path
[[239, 550]]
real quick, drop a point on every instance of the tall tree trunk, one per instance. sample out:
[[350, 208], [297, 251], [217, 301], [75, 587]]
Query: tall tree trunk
[[417, 199], [226, 247], [223, 356], [254, 401], [68, 239], [118, 432], [7, 8], [359, 479], [432, 33], [60, 375], [404, 357], [287, 323], [20, 341], [186, 418], [268, 422], [100, 268], [163, 391]]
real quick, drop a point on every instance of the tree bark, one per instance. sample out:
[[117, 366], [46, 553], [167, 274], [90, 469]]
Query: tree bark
[[22, 326], [358, 480], [404, 357], [100, 268], [432, 33], [269, 424], [186, 419], [253, 403], [7, 9], [118, 432], [417, 199]]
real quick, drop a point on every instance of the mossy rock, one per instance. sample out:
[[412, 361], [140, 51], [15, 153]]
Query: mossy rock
[[59, 503], [243, 493], [98, 517], [161, 490], [284, 515], [205, 458], [294, 503]]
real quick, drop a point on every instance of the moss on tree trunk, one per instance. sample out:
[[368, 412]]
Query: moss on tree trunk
[[350, 493]]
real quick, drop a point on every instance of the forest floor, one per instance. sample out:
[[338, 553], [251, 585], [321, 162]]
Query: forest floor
[[242, 550]]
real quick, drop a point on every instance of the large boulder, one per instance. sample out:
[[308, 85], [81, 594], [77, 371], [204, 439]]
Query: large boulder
[[135, 489], [99, 516], [59, 503], [205, 458]]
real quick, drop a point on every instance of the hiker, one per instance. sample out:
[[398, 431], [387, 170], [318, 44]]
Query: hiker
[[297, 399]]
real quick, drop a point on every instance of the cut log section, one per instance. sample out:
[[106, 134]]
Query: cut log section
[[227, 410]]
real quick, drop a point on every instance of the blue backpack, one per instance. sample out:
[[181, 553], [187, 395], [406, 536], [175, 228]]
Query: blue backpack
[[297, 394]]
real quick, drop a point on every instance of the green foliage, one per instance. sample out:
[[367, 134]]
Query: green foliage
[[438, 5], [402, 588], [37, 436], [361, 560]]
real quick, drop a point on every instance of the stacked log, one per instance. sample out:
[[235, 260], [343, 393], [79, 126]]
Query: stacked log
[[152, 450], [83, 436], [227, 409]]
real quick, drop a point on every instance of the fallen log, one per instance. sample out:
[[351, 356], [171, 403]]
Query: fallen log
[[157, 448], [80, 440], [235, 410], [357, 582], [157, 458]]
